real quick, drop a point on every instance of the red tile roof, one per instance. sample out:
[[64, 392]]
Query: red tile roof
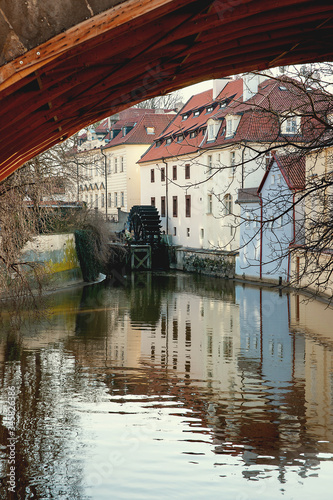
[[138, 133], [259, 117], [292, 167]]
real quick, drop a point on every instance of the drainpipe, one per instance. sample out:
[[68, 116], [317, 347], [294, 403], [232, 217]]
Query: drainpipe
[[243, 154], [294, 235], [106, 184], [261, 234], [166, 196]]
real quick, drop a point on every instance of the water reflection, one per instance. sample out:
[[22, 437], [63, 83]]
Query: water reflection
[[188, 386]]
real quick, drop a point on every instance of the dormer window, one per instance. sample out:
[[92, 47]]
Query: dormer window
[[193, 134], [184, 117], [232, 122], [228, 128], [180, 138], [150, 130], [196, 112], [169, 140], [213, 128], [290, 125], [209, 109], [158, 143]]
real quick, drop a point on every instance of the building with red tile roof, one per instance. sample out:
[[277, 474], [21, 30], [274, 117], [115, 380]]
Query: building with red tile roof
[[112, 179], [220, 141]]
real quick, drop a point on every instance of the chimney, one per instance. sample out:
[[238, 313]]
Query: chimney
[[251, 82], [218, 86]]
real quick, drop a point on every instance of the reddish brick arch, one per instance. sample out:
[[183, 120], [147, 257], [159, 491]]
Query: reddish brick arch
[[85, 59]]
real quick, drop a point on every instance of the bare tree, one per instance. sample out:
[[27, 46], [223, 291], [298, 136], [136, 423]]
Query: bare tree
[[168, 101]]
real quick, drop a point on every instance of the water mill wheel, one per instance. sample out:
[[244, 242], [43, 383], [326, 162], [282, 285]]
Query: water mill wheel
[[144, 224]]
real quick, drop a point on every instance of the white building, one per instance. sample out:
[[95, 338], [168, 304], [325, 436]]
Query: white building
[[111, 153], [272, 218], [219, 142]]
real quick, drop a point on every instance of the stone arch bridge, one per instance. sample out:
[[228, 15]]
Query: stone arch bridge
[[67, 63]]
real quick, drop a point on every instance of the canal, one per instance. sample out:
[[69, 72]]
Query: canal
[[168, 386]]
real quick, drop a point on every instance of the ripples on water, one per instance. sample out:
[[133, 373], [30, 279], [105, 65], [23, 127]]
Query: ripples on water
[[171, 387]]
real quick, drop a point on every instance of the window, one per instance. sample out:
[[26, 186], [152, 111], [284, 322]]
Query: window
[[102, 200], [184, 117], [209, 164], [150, 130], [291, 125], [175, 231], [209, 109], [109, 200], [193, 134], [202, 233], [188, 205], [187, 171], [188, 232], [109, 165], [121, 164], [196, 112], [229, 130], [228, 204], [152, 201], [279, 222], [91, 200], [96, 169], [169, 140], [180, 138], [213, 129], [174, 172], [115, 165], [162, 206], [233, 162], [211, 135], [96, 200], [152, 175], [273, 179], [174, 206], [256, 221], [210, 204], [162, 174], [115, 199], [122, 199]]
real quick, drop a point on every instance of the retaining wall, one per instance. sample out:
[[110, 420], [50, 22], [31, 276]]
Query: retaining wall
[[58, 255]]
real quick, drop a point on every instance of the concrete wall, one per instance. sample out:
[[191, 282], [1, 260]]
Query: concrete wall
[[58, 255], [208, 262]]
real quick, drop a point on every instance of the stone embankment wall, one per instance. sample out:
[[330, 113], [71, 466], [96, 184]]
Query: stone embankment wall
[[58, 255], [208, 262]]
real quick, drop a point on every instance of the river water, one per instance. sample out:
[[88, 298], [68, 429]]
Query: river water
[[168, 386]]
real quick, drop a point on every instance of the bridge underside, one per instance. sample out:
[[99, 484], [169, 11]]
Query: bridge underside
[[66, 64]]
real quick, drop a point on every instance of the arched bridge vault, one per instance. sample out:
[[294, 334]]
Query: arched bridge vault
[[67, 63]]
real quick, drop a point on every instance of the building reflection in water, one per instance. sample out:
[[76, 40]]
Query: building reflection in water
[[254, 367]]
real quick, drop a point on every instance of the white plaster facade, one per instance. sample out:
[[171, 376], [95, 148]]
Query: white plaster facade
[[204, 189]]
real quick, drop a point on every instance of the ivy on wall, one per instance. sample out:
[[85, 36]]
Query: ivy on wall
[[85, 242]]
